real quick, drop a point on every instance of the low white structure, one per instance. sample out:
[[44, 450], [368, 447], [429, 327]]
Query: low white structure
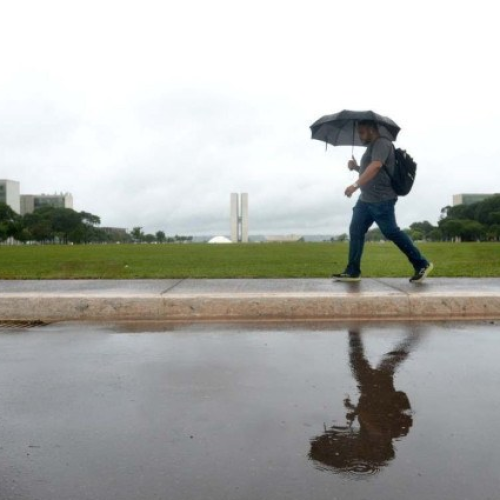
[[283, 238], [220, 239]]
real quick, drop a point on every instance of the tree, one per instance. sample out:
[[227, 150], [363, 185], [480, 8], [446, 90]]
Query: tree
[[488, 210], [88, 231], [90, 219], [374, 234], [417, 235], [38, 227], [160, 237], [444, 212], [7, 214], [182, 239], [137, 234], [467, 230], [424, 228], [461, 212], [51, 223], [494, 218], [451, 228], [9, 222], [66, 221], [473, 230], [435, 235], [493, 232]]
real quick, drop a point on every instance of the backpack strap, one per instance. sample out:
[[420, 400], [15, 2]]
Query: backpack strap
[[394, 150]]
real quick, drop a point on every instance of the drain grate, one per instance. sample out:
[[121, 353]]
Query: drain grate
[[16, 323]]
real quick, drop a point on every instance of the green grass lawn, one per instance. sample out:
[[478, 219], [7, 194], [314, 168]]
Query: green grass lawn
[[288, 260]]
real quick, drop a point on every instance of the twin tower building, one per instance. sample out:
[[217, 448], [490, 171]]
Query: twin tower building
[[239, 217]]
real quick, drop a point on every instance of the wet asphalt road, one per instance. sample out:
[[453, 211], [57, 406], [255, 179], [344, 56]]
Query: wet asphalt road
[[271, 411]]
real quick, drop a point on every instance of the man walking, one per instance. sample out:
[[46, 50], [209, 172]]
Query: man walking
[[376, 204]]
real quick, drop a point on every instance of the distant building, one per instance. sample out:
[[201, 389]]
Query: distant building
[[283, 238], [469, 198], [9, 194], [239, 217], [31, 202]]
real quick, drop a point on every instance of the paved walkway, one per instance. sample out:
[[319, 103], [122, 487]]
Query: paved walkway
[[247, 299]]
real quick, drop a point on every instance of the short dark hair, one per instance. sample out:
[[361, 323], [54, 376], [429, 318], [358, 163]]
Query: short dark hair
[[368, 123]]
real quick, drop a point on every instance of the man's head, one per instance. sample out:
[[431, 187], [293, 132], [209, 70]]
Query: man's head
[[367, 131]]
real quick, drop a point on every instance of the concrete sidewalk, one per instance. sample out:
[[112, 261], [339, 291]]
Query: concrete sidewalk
[[247, 299]]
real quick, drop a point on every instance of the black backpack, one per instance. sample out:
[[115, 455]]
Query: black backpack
[[405, 170]]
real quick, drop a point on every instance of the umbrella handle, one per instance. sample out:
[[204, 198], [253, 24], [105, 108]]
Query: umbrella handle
[[353, 132]]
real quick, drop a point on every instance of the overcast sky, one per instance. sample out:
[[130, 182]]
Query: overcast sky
[[152, 112]]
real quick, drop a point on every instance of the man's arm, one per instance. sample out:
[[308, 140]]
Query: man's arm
[[370, 173]]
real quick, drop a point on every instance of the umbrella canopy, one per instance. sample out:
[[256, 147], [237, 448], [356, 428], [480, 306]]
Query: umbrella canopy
[[339, 129]]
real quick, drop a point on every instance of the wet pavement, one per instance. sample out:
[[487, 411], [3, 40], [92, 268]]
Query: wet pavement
[[259, 411]]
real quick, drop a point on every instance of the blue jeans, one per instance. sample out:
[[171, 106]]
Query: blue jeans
[[364, 215]]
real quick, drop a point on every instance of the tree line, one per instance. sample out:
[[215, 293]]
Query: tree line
[[478, 221], [65, 225], [475, 222], [139, 236], [49, 224]]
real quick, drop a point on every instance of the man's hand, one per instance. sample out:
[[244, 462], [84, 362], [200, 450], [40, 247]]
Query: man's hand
[[352, 164], [371, 171], [349, 191]]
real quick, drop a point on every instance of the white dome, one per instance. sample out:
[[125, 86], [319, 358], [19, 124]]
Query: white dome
[[220, 239]]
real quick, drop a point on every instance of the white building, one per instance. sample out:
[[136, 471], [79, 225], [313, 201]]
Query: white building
[[469, 198], [244, 217], [30, 202], [9, 194], [233, 217]]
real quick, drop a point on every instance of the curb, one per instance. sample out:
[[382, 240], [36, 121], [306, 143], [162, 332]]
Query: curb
[[250, 306]]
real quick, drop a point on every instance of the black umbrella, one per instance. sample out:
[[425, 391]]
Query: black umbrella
[[339, 129]]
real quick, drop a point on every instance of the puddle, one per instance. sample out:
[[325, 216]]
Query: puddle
[[321, 411], [19, 324]]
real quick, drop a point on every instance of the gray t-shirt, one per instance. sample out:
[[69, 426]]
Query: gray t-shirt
[[379, 188]]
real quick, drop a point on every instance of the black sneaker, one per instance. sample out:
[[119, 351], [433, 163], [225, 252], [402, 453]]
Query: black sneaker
[[420, 276], [346, 277]]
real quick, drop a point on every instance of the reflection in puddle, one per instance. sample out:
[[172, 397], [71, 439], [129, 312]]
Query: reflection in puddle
[[364, 445]]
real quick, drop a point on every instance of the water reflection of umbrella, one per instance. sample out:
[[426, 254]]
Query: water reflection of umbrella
[[367, 448], [339, 129], [383, 414], [344, 450]]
